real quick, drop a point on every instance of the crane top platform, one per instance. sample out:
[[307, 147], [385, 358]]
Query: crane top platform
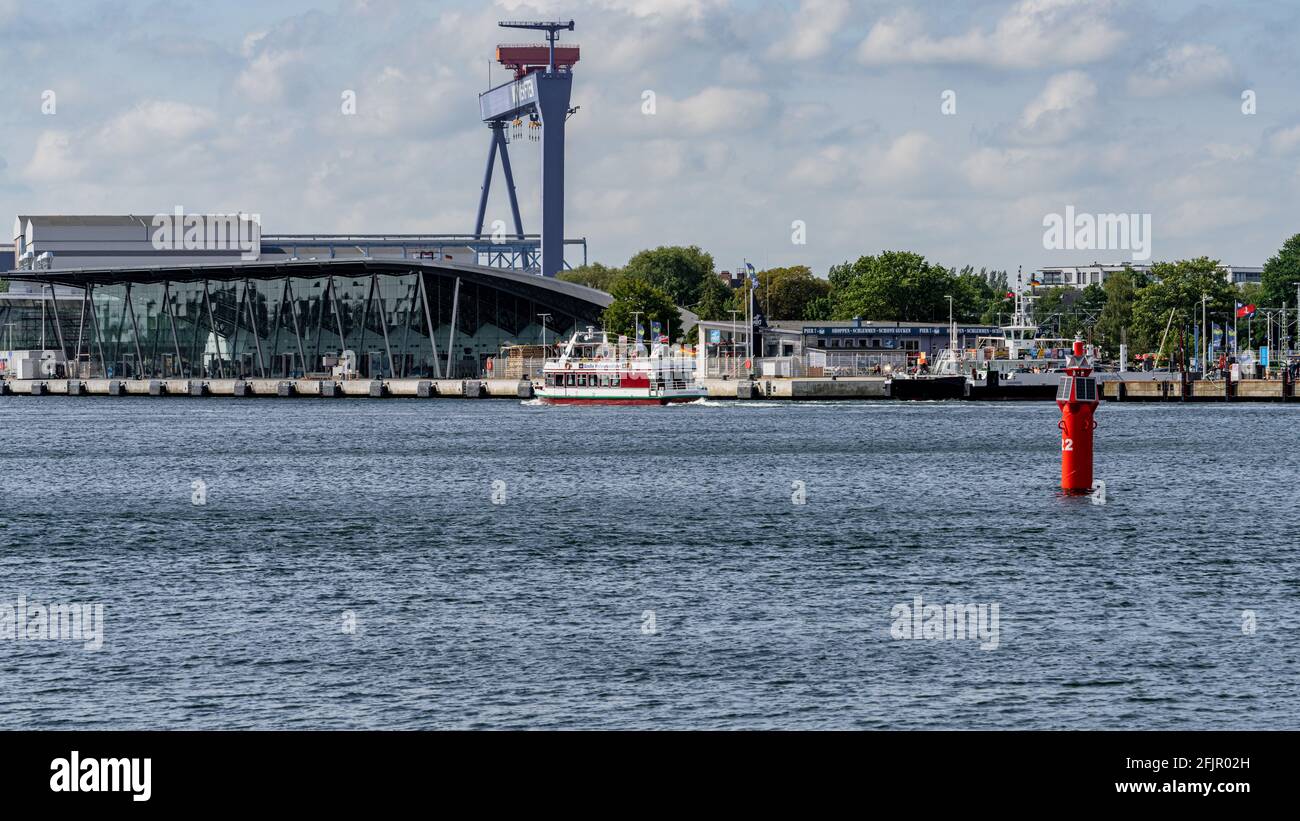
[[524, 57]]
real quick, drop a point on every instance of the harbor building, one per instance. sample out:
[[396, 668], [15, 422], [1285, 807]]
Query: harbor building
[[858, 347], [100, 293], [1081, 276]]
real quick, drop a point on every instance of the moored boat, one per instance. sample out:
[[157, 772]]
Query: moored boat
[[594, 369]]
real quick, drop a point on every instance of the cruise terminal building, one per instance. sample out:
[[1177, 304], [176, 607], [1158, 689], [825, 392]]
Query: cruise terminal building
[[208, 296]]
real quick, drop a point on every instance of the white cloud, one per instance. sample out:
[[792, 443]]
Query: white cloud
[[250, 43], [153, 121], [55, 158], [1034, 33], [1061, 110], [1224, 152], [717, 109], [688, 9], [269, 76], [814, 24], [1285, 140], [1179, 69]]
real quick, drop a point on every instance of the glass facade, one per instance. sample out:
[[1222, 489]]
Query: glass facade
[[296, 326]]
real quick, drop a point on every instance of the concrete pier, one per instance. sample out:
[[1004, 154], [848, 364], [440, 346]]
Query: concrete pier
[[1245, 390], [843, 388], [741, 389], [280, 388]]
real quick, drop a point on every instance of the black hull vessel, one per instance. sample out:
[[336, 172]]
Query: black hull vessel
[[928, 387]]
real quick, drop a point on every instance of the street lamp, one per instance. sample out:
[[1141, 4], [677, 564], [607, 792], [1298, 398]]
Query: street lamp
[[544, 317], [952, 326], [1205, 339]]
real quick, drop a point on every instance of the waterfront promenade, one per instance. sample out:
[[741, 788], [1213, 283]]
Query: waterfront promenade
[[842, 388]]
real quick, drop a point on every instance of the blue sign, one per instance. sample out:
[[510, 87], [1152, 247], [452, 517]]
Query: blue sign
[[715, 336], [892, 330], [1263, 355]]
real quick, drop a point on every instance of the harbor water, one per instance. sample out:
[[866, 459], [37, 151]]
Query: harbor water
[[503, 564]]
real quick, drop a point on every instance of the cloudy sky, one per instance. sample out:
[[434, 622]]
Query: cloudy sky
[[767, 112]]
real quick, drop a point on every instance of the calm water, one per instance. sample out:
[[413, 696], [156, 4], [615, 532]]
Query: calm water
[[532, 613]]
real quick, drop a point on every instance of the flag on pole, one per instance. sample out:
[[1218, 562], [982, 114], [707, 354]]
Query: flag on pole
[[640, 332], [1245, 311], [655, 329], [1216, 336]]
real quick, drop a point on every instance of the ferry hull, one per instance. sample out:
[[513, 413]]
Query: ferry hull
[[586, 400], [928, 387]]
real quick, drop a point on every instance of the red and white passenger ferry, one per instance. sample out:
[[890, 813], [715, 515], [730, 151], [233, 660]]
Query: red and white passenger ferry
[[593, 369]]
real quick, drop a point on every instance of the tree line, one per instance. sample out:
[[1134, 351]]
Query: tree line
[[1140, 308]]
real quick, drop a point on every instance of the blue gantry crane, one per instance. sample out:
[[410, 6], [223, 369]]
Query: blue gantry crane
[[538, 93]]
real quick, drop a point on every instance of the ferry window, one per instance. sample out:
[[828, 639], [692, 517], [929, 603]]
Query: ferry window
[[614, 380], [582, 380], [570, 380]]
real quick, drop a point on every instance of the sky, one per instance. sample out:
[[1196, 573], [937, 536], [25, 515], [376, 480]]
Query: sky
[[782, 132]]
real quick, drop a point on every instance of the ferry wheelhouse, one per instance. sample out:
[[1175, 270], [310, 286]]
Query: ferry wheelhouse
[[594, 369]]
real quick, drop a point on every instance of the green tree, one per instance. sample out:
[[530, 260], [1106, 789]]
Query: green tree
[[1117, 315], [595, 275], [1176, 290], [785, 293], [634, 295], [679, 272], [717, 300], [895, 285], [974, 297], [820, 309], [1281, 272]]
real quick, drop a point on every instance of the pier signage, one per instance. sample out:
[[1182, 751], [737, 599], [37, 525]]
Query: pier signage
[[889, 330]]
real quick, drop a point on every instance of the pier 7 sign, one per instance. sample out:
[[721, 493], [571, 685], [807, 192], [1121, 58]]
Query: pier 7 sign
[[890, 330]]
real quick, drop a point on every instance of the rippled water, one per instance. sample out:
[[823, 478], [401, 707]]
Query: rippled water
[[532, 613]]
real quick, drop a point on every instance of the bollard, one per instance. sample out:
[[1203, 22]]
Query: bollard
[[1077, 398]]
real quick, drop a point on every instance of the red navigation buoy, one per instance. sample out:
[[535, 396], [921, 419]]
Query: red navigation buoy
[[1077, 399]]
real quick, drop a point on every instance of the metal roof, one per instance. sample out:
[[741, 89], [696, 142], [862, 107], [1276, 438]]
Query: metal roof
[[540, 288]]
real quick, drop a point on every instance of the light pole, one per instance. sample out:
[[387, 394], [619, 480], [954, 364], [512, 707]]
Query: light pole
[[734, 312], [1205, 339], [1297, 310], [544, 317], [636, 327], [952, 327]]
